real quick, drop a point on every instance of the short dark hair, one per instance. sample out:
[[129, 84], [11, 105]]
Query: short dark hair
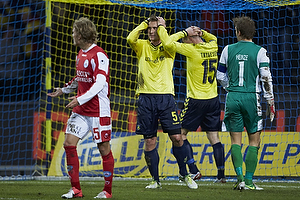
[[153, 18], [246, 26], [87, 29]]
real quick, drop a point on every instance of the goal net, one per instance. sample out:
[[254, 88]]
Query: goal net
[[32, 124]]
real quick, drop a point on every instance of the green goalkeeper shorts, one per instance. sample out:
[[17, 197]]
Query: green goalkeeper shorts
[[243, 110]]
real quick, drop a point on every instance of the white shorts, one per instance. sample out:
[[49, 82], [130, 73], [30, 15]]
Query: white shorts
[[80, 126]]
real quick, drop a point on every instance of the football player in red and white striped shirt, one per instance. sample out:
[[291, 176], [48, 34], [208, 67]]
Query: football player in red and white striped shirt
[[91, 106]]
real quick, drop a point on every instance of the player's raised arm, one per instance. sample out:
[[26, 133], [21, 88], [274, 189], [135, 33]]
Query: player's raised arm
[[133, 36]]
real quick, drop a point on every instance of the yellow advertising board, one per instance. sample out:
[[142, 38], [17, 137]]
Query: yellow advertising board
[[279, 155]]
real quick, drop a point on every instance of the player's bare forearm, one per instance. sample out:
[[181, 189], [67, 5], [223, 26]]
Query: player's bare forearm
[[57, 92]]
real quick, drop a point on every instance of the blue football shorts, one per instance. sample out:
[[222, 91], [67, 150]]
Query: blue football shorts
[[201, 112], [154, 108]]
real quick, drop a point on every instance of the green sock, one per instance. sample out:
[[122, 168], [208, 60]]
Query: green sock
[[251, 163], [237, 160]]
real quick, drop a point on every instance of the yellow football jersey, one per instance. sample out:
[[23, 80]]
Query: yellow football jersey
[[155, 75], [202, 61]]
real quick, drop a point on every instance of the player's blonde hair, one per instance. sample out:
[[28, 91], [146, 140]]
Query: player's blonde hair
[[87, 29]]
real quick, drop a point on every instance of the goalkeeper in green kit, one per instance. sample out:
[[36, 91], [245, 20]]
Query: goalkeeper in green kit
[[244, 72]]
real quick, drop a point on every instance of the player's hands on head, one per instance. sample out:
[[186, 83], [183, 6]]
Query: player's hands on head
[[161, 21], [57, 92], [193, 31], [271, 109]]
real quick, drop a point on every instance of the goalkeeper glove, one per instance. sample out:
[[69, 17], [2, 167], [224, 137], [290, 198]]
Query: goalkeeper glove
[[271, 109]]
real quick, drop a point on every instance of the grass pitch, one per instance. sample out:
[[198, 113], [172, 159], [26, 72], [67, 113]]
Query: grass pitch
[[135, 189]]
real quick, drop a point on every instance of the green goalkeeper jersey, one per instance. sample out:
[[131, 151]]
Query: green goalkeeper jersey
[[155, 64], [243, 61], [202, 62]]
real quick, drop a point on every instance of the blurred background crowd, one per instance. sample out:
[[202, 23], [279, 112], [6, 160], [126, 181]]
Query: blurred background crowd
[[21, 43]]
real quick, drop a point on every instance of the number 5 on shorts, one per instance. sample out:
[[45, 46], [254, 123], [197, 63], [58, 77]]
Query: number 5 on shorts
[[174, 116], [96, 134]]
